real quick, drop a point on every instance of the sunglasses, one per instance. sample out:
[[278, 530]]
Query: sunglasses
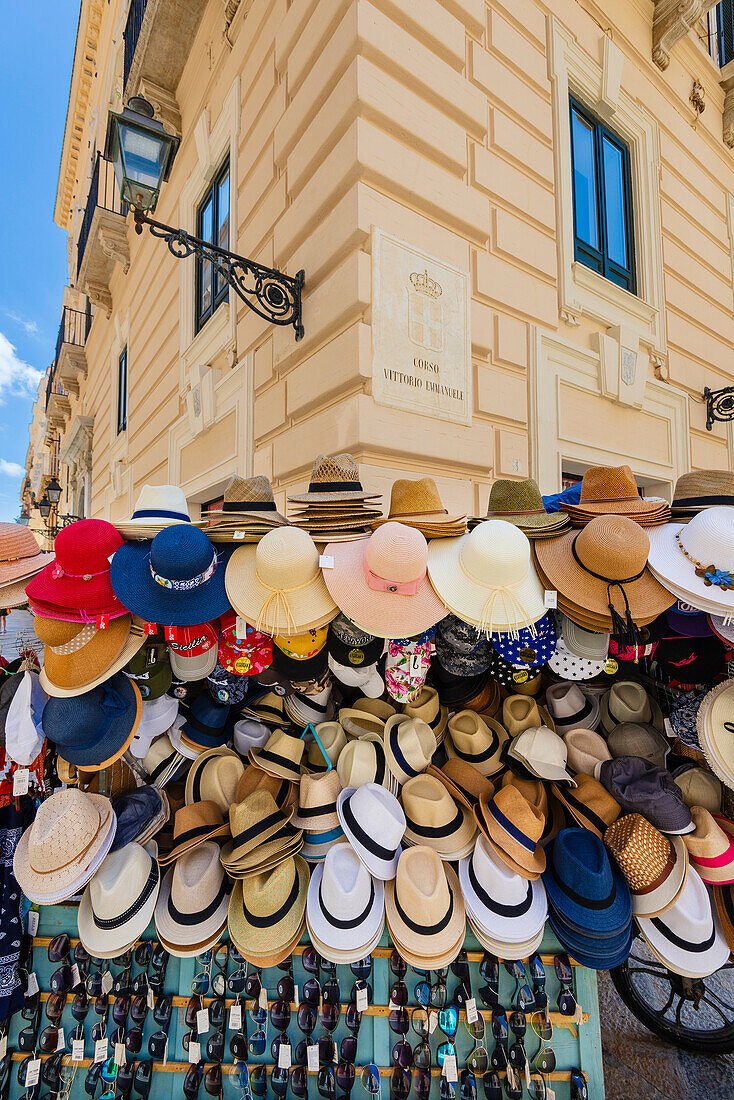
[[518, 1027], [537, 976], [489, 971], [370, 1076], [400, 1084], [566, 1001]]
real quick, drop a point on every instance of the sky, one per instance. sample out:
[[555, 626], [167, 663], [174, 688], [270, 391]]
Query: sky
[[34, 89]]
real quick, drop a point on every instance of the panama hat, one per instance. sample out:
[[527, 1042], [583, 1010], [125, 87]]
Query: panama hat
[[694, 560], [699, 787], [520, 502], [374, 823], [20, 555], [711, 847], [193, 826], [317, 796], [713, 723], [418, 504], [543, 753], [476, 740], [213, 777], [688, 939], [133, 642], [267, 908], [409, 746], [641, 787], [363, 761], [192, 951], [317, 844], [463, 781], [78, 581], [428, 708], [701, 489], [521, 712], [572, 708], [193, 900], [268, 707], [76, 654], [267, 962], [333, 477], [158, 506], [627, 701], [513, 827], [281, 756], [285, 842], [584, 750], [381, 583], [62, 848], [638, 739], [433, 818], [345, 908], [328, 748], [459, 570], [424, 907], [117, 904], [357, 722], [502, 948], [277, 585], [306, 709], [158, 715], [249, 504], [162, 762], [283, 791], [252, 821], [655, 867], [378, 708], [505, 905], [93, 730], [535, 791]]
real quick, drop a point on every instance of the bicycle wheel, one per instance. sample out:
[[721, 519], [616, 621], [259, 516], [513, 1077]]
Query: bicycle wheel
[[692, 1013]]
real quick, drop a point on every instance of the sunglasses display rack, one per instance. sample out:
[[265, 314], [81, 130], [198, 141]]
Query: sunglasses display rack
[[149, 1024]]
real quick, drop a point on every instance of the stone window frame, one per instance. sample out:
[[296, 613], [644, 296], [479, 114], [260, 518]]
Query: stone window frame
[[581, 291]]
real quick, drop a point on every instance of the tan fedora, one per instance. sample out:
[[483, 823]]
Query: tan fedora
[[513, 827], [701, 489], [627, 701], [711, 847], [477, 741], [424, 907], [463, 781], [612, 489], [427, 706], [267, 909], [590, 805], [193, 825], [418, 504], [378, 708], [409, 746], [317, 797], [248, 502], [521, 712], [357, 722], [654, 865], [193, 899], [268, 708], [252, 822], [433, 818], [699, 787], [281, 756], [363, 761], [585, 749], [535, 791], [333, 739], [283, 791], [214, 777], [287, 842], [520, 502]]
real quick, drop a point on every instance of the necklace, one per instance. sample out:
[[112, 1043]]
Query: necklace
[[709, 574]]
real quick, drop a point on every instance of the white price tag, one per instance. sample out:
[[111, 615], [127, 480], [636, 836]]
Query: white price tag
[[165, 1051], [284, 1056], [471, 1011], [578, 1016], [668, 726], [391, 1005], [296, 1000], [32, 922], [33, 1072], [76, 978], [263, 998], [240, 628], [416, 663], [194, 1053], [106, 982], [527, 1075], [312, 1057], [238, 536], [77, 1050], [550, 600], [235, 1018], [432, 1022], [20, 782], [550, 1093], [150, 999], [3, 1045], [202, 1021], [449, 1068], [32, 984], [61, 1041], [120, 1058], [326, 561], [100, 1050], [362, 1000]]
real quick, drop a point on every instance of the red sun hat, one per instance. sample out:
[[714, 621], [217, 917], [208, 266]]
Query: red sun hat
[[79, 579], [246, 656]]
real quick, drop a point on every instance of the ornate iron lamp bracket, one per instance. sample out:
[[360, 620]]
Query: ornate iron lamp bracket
[[719, 405], [266, 291]]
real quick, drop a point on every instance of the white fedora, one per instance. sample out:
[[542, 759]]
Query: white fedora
[[502, 948], [409, 746], [571, 708], [158, 506], [345, 908], [374, 823], [158, 715], [363, 761], [194, 898], [249, 734], [688, 939], [504, 905], [543, 753], [119, 900]]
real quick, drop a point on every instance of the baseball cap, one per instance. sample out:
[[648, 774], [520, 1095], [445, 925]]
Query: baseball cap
[[351, 646], [302, 656], [247, 655], [193, 651], [150, 668]]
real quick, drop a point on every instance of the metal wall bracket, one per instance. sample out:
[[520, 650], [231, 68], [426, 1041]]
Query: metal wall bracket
[[719, 405]]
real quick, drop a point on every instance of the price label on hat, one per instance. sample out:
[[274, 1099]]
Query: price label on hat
[[21, 779], [326, 561], [449, 1068], [312, 1057], [106, 982], [296, 1000], [240, 628], [32, 984], [238, 536], [235, 1017], [61, 1040], [202, 1021], [550, 599], [3, 1045], [194, 1053], [100, 1050], [103, 621], [150, 999], [171, 633], [150, 628], [33, 1072], [284, 1056], [263, 999], [120, 1054], [77, 1050], [362, 999], [471, 1010], [32, 922]]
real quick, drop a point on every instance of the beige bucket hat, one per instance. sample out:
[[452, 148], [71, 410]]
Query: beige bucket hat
[[513, 827], [118, 903], [585, 749], [253, 821], [317, 797], [627, 701], [193, 900], [281, 756], [654, 865], [267, 909], [521, 712], [409, 746], [213, 777], [433, 818], [477, 740], [424, 907]]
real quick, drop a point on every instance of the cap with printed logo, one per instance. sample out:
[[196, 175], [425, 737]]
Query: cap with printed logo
[[301, 657], [150, 668], [351, 646], [193, 650], [246, 655]]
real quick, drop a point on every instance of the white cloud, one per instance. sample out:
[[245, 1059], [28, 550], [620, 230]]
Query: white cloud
[[10, 469], [16, 376], [30, 327]]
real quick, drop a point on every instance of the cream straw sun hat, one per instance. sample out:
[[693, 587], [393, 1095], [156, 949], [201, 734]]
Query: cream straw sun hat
[[487, 577], [695, 560]]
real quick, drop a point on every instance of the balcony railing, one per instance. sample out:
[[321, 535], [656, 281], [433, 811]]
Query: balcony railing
[[53, 387], [104, 194], [135, 15], [74, 328]]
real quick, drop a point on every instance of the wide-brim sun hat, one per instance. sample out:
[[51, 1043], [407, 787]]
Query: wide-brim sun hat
[[505, 905], [20, 556], [381, 584], [194, 898], [175, 580], [688, 938], [487, 577], [134, 642], [79, 580], [76, 654], [711, 847], [118, 903], [695, 560], [93, 730], [345, 908], [424, 907]]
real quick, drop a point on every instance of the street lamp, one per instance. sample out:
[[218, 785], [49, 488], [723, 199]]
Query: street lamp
[[44, 507], [142, 152], [53, 491], [24, 517]]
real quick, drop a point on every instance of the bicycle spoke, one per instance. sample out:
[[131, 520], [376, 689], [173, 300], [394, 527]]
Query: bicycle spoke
[[654, 973], [668, 1003], [712, 993], [705, 1000]]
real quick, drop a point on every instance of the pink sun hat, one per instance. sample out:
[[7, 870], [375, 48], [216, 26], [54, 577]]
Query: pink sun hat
[[381, 583]]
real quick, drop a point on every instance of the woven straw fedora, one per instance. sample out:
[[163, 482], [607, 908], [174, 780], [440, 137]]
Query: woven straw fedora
[[418, 504], [459, 570], [433, 818], [192, 904], [287, 841], [246, 498], [590, 804], [505, 905], [358, 723], [333, 740], [711, 847], [192, 826], [463, 782], [253, 821], [520, 502], [584, 749], [334, 477], [695, 560], [277, 585], [513, 827], [214, 777], [283, 791], [374, 823], [267, 908], [612, 489], [317, 797], [20, 556], [409, 746], [654, 865], [476, 740], [118, 903], [627, 701], [60, 851], [363, 761], [701, 489], [538, 795], [76, 654], [345, 909], [521, 712], [281, 756], [571, 708], [424, 906]]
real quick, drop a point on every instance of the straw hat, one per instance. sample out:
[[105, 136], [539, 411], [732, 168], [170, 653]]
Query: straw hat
[[521, 712], [418, 504], [590, 804], [75, 654], [277, 585], [710, 847], [192, 826], [333, 478], [513, 827], [118, 903], [476, 740], [459, 570], [192, 904], [94, 729], [639, 739], [213, 777], [428, 708], [409, 746], [78, 581], [688, 939], [267, 909], [695, 561], [611, 489], [433, 818], [463, 781], [332, 739], [654, 865], [505, 905], [699, 787], [374, 823], [133, 642], [520, 502], [20, 555], [571, 707], [281, 756], [158, 506], [363, 761], [59, 852], [584, 750], [537, 793], [283, 791], [357, 722], [286, 842], [345, 908], [502, 948], [627, 701], [424, 907], [248, 503], [317, 796], [701, 489], [269, 707], [252, 821], [542, 752]]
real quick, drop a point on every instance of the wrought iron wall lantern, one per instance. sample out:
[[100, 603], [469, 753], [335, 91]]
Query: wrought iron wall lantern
[[142, 153], [719, 405]]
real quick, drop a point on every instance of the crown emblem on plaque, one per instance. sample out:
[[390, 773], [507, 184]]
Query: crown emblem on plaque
[[424, 284]]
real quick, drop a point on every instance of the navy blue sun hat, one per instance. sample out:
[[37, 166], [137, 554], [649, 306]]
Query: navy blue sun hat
[[175, 580], [95, 728], [530, 647], [205, 724], [583, 886], [585, 950]]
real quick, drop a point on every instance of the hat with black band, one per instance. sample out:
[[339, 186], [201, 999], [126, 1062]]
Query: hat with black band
[[374, 823]]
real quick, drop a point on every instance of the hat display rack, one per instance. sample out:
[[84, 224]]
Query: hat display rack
[[339, 765]]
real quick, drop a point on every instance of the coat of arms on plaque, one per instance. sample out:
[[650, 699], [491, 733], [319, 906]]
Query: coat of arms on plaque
[[425, 312]]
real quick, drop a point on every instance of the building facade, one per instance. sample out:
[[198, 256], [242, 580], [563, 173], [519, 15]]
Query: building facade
[[515, 218]]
